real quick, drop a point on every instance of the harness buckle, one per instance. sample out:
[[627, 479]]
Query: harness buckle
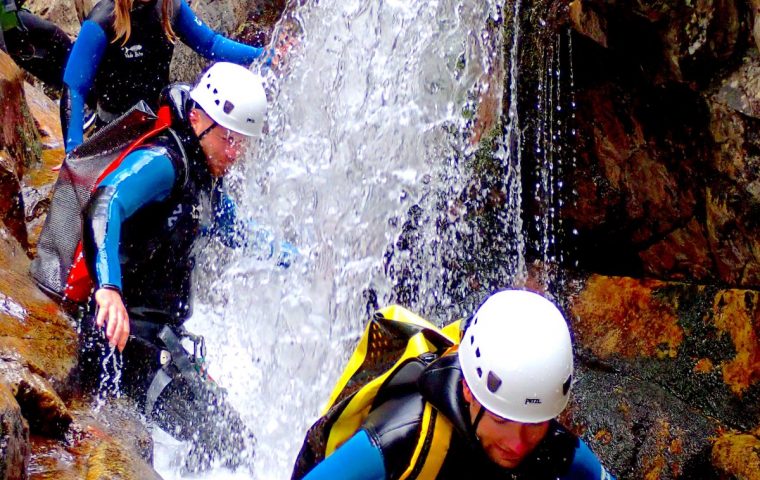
[[199, 344]]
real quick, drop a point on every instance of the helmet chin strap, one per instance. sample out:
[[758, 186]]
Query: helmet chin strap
[[207, 130], [477, 420]]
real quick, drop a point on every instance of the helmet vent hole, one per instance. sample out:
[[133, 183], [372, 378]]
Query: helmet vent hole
[[208, 86], [216, 92], [480, 372], [566, 385], [472, 339], [228, 107], [477, 352], [217, 102], [493, 382]]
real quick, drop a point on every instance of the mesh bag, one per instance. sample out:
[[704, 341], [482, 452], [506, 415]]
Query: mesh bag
[[59, 245]]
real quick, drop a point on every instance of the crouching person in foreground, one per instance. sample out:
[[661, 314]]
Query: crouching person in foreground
[[485, 409], [136, 197]]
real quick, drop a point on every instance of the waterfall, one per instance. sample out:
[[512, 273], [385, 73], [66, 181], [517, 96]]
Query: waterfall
[[369, 124]]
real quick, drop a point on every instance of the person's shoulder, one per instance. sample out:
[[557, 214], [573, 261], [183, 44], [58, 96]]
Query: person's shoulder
[[103, 14]]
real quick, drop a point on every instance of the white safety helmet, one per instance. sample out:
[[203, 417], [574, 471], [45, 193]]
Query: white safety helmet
[[233, 97], [517, 358]]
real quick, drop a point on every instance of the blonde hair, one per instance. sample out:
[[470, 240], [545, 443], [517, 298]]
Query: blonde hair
[[122, 22]]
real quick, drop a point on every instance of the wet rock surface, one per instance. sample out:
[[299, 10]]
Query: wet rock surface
[[665, 183], [14, 437], [106, 441], [666, 367], [19, 148]]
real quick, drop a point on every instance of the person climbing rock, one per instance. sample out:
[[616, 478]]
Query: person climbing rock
[[485, 409], [35, 44], [138, 194], [124, 50]]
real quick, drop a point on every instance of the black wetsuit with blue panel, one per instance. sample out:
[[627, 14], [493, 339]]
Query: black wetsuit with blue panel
[[123, 73], [140, 230]]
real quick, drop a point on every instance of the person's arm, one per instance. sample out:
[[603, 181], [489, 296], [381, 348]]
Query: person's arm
[[256, 239], [78, 78], [143, 177], [198, 36], [357, 459], [586, 466]]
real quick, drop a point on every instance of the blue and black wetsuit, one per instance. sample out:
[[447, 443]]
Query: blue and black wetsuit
[[123, 74], [383, 447], [139, 231]]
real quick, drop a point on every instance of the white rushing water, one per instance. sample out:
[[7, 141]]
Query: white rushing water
[[368, 110]]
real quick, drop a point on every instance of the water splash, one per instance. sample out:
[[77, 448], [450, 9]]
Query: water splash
[[367, 119]]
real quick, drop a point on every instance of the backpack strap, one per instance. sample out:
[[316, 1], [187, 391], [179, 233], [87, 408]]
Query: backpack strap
[[432, 446], [79, 283]]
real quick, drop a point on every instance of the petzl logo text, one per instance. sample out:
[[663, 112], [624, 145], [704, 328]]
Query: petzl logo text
[[532, 401]]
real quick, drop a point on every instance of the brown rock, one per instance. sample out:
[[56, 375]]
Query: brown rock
[[39, 178], [690, 39], [682, 254], [587, 22], [40, 404], [46, 117], [639, 429], [738, 455], [622, 316], [110, 460], [18, 147], [635, 184], [64, 13], [737, 314], [702, 342], [14, 438], [223, 16], [733, 234], [34, 331], [109, 442]]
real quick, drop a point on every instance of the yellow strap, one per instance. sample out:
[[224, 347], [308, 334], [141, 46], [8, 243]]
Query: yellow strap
[[439, 445], [356, 411], [352, 416], [356, 361]]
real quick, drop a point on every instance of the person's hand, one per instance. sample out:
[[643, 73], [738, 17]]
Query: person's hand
[[113, 314]]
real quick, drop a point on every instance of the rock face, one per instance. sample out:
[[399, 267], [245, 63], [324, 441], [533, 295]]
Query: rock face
[[666, 368], [14, 437], [111, 443], [18, 147], [666, 188], [249, 21], [67, 14], [667, 170]]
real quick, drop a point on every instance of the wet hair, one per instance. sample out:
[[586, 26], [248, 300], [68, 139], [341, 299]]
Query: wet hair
[[122, 22]]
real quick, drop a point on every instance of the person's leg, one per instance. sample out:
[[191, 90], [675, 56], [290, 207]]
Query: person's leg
[[196, 410], [39, 47], [105, 371]]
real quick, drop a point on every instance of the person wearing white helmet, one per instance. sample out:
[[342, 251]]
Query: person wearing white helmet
[[140, 228], [494, 403]]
